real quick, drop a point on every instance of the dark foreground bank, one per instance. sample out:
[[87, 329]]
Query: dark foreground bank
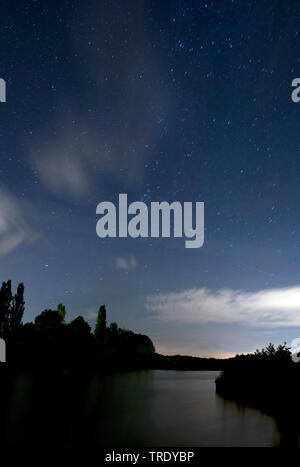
[[269, 381]]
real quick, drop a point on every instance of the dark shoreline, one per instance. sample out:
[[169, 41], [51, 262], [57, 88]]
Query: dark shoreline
[[153, 362], [272, 387]]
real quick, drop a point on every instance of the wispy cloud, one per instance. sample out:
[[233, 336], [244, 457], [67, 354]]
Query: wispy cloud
[[61, 173], [126, 263], [110, 134], [268, 308], [78, 158], [70, 160], [14, 230]]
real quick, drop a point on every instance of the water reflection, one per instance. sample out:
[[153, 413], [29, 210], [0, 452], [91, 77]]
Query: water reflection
[[147, 408]]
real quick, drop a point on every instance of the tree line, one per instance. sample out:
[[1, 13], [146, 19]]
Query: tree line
[[51, 341]]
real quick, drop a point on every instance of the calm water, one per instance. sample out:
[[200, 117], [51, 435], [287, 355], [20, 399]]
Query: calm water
[[150, 408]]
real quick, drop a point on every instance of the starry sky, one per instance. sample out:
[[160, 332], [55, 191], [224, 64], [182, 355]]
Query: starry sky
[[165, 101]]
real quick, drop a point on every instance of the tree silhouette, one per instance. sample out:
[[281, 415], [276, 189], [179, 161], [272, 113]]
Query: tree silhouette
[[62, 311], [17, 308], [113, 328], [5, 307], [281, 352], [11, 308], [48, 319], [100, 328], [79, 328], [80, 343]]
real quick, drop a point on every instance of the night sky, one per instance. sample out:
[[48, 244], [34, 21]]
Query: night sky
[[165, 101]]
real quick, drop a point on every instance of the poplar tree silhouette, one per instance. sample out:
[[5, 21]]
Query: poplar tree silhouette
[[11, 308], [17, 308], [62, 311], [5, 303], [100, 328]]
